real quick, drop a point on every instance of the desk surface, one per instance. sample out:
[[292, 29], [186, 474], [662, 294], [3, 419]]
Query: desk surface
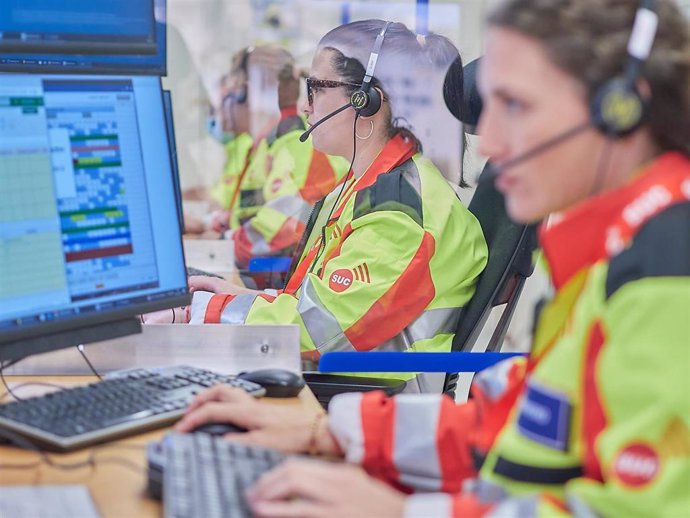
[[117, 480]]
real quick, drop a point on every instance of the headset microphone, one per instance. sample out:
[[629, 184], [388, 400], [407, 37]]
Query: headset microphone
[[304, 136], [494, 171]]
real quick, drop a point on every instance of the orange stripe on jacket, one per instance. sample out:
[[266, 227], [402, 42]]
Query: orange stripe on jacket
[[215, 308], [320, 178], [288, 234], [367, 332], [453, 434], [468, 506], [378, 429], [593, 418]]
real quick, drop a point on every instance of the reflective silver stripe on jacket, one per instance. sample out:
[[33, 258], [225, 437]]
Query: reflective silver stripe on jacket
[[579, 508], [433, 322], [291, 207], [259, 244], [494, 380], [238, 308], [522, 507], [417, 461], [323, 328], [486, 491], [200, 300]]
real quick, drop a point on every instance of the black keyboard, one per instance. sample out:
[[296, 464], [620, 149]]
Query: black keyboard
[[207, 476], [126, 403]]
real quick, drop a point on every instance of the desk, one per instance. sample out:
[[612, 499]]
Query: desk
[[117, 489]]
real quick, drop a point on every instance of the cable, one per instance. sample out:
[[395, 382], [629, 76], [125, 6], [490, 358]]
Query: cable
[[80, 348], [31, 383], [9, 391], [603, 167], [91, 461], [322, 245]]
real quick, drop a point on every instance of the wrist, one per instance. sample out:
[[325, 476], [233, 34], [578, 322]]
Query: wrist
[[321, 440]]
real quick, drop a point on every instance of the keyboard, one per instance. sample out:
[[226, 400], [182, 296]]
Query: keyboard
[[125, 403], [207, 476], [44, 501]]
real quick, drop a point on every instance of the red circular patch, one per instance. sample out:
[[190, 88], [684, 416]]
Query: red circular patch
[[340, 280], [277, 184], [636, 465]]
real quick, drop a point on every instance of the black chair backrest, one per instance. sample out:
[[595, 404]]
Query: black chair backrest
[[509, 264]]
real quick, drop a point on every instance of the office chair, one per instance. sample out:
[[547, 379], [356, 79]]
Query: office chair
[[510, 263]]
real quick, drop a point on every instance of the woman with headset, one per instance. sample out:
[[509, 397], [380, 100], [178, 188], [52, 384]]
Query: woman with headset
[[390, 258], [595, 422]]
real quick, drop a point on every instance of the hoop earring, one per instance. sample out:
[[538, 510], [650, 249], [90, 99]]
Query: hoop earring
[[371, 132]]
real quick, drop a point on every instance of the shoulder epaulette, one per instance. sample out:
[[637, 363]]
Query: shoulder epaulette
[[398, 190]]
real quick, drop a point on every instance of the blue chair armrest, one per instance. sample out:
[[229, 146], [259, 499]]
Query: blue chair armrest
[[410, 362]]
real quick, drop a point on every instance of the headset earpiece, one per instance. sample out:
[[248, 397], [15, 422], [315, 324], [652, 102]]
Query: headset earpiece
[[241, 95], [617, 108], [366, 103]]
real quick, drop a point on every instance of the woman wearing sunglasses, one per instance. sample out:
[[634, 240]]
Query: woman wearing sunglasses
[[389, 259]]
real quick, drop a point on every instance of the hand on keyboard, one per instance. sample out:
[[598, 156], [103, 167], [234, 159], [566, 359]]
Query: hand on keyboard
[[305, 487], [288, 429]]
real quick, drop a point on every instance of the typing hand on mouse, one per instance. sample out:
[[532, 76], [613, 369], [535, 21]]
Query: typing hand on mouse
[[292, 430]]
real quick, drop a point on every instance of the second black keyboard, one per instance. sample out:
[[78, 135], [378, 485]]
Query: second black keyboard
[[128, 402]]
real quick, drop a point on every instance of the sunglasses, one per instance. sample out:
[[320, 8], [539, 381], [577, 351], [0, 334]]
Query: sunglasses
[[314, 85]]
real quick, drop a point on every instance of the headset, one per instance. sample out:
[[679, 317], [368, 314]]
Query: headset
[[366, 101], [617, 108], [240, 97]]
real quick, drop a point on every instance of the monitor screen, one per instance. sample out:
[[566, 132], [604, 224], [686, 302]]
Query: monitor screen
[[172, 144], [88, 220], [131, 39], [79, 26]]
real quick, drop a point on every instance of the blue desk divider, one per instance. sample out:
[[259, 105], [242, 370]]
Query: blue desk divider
[[410, 362], [270, 264]]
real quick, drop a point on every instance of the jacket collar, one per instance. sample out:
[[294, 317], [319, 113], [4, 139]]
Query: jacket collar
[[396, 151], [602, 226]]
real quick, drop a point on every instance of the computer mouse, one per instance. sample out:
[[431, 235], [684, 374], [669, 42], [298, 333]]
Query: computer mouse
[[218, 429], [277, 382]]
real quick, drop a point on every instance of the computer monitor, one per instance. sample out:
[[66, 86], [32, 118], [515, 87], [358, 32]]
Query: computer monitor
[[88, 222], [77, 26], [172, 144], [50, 36]]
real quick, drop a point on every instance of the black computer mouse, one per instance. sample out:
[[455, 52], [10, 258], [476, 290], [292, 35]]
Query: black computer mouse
[[277, 382], [218, 428]]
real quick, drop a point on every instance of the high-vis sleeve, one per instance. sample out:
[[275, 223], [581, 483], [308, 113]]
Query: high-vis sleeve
[[425, 442]]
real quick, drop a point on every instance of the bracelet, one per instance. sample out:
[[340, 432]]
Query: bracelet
[[173, 312], [312, 448]]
